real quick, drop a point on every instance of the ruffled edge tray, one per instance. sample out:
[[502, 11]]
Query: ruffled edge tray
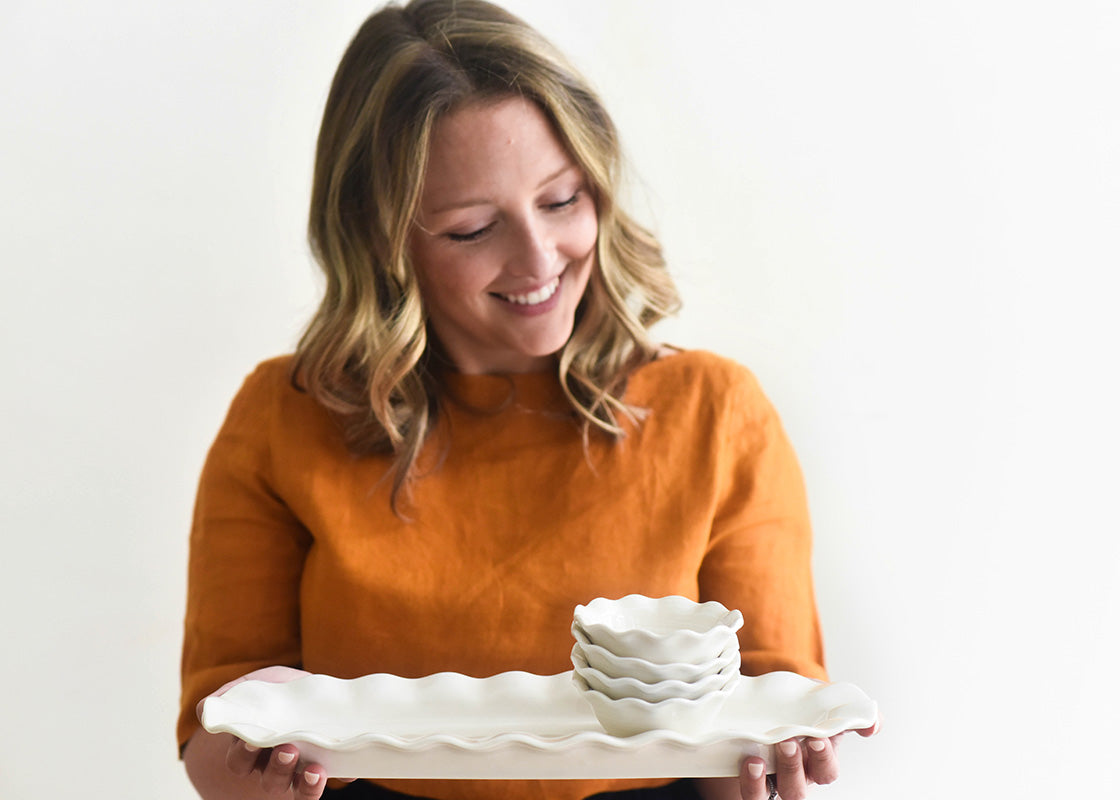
[[517, 725]]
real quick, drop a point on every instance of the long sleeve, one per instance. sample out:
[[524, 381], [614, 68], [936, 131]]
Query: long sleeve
[[759, 553], [247, 551]]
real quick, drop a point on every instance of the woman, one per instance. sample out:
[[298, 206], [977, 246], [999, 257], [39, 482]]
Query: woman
[[476, 433]]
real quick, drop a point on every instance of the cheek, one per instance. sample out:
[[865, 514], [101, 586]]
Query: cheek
[[446, 280], [583, 235], [431, 277]]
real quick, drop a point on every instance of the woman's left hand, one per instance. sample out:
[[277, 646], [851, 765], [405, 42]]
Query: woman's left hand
[[799, 764]]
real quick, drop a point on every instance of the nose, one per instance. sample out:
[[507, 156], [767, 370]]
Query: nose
[[531, 250]]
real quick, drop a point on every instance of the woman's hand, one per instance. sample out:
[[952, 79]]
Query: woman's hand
[[799, 765], [223, 767]]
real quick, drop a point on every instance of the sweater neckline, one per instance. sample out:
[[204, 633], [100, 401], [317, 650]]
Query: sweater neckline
[[530, 390]]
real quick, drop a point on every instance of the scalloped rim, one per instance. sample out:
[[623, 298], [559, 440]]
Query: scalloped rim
[[845, 708], [629, 716], [618, 687], [683, 646], [637, 668], [641, 704], [604, 613]]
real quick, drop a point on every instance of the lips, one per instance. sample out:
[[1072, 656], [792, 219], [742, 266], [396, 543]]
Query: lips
[[535, 297]]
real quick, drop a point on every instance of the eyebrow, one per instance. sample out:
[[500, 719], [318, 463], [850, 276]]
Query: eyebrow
[[468, 202]]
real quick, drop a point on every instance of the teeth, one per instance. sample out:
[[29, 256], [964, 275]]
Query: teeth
[[533, 298]]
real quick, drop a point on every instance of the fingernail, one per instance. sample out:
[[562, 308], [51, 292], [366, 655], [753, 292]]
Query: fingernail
[[284, 757], [816, 744], [251, 748], [788, 748], [754, 769], [312, 778]]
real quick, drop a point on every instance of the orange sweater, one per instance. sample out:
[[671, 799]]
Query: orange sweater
[[297, 559]]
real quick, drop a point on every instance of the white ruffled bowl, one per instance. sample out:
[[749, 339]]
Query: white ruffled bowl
[[663, 630], [648, 672], [626, 686], [631, 716]]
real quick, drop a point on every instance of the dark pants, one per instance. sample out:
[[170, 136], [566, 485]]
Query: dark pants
[[364, 790]]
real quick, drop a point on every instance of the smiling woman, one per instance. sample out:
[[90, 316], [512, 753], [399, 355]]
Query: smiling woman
[[475, 407], [505, 238], [405, 91]]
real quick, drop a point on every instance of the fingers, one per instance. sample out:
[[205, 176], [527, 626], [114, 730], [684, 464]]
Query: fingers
[[797, 765], [310, 783], [242, 757], [790, 773], [821, 762], [280, 769], [752, 780]]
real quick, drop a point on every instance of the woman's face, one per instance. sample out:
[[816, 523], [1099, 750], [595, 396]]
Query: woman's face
[[505, 237]]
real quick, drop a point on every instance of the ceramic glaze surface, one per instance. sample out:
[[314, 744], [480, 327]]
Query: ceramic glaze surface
[[518, 725], [625, 686], [658, 629], [630, 716], [649, 672]]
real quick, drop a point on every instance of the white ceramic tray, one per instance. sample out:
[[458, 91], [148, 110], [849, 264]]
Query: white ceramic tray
[[517, 725]]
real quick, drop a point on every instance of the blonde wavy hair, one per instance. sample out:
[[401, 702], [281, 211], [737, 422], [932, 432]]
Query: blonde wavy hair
[[367, 353]]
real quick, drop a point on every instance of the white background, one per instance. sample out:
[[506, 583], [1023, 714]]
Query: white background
[[902, 215]]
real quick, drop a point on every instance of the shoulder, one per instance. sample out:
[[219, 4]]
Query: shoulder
[[271, 415], [262, 387], [270, 375], [268, 393], [699, 375], [703, 392]]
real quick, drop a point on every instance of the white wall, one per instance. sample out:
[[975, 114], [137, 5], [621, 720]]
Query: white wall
[[902, 215]]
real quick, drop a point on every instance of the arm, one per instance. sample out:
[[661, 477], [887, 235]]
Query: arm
[[246, 561], [759, 555], [759, 560]]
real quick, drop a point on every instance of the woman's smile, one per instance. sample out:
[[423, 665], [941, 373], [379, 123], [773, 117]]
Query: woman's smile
[[534, 298]]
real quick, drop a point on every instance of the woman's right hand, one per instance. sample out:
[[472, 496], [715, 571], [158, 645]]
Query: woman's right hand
[[223, 767]]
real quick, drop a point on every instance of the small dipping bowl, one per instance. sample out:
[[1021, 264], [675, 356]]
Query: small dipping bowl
[[617, 688], [631, 716], [660, 630], [616, 666]]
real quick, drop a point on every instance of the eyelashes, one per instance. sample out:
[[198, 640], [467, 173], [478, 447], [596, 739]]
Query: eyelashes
[[475, 235], [571, 201]]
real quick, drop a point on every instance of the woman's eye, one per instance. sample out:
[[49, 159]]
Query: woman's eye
[[571, 201], [472, 236]]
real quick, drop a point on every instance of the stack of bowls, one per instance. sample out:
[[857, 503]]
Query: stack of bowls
[[665, 663]]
